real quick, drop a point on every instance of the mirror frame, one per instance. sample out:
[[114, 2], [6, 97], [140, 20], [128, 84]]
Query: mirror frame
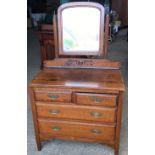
[[98, 6]]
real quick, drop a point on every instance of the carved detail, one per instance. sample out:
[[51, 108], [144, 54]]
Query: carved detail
[[79, 63]]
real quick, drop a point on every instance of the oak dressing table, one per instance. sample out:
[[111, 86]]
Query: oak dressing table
[[76, 98]]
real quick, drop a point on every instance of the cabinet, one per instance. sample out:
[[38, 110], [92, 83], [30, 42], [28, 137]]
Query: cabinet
[[46, 39], [121, 6], [78, 104]]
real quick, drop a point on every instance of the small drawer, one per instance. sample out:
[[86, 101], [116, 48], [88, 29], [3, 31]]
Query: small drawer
[[95, 99], [77, 129], [76, 112], [53, 96]]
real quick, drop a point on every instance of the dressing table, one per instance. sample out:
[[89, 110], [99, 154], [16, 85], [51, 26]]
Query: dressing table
[[78, 98]]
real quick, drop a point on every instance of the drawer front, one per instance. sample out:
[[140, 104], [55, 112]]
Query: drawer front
[[77, 129], [53, 96], [95, 99], [78, 112]]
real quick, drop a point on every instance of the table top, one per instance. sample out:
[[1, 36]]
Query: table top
[[80, 78]]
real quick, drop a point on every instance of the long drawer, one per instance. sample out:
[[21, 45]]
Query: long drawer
[[95, 99], [79, 112], [77, 129]]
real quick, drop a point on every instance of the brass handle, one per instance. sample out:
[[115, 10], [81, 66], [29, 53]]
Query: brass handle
[[96, 99], [54, 111], [53, 97], [96, 114], [95, 131], [56, 128]]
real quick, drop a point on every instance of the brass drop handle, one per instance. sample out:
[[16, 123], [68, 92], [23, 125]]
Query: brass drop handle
[[96, 114], [54, 111], [53, 97], [56, 128], [96, 99], [95, 131]]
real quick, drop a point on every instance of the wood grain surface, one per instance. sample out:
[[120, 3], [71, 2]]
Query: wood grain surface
[[98, 114]]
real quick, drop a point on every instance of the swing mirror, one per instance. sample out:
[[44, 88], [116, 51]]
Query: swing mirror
[[80, 28]]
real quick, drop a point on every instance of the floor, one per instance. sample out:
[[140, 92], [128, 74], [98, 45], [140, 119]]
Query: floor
[[118, 50]]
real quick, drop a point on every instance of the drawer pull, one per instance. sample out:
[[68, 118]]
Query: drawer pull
[[96, 99], [53, 97], [56, 128], [95, 131], [54, 111], [96, 114]]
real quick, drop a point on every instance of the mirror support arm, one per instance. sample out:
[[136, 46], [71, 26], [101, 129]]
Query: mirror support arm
[[106, 35], [55, 35]]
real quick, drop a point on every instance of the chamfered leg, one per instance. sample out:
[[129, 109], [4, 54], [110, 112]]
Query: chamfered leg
[[116, 151], [39, 145]]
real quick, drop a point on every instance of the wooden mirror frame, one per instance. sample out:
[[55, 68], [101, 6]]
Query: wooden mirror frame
[[60, 33]]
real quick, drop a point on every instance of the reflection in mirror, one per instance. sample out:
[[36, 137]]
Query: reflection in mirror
[[81, 29]]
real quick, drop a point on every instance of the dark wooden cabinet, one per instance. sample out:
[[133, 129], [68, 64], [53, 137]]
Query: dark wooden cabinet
[[46, 39], [121, 6]]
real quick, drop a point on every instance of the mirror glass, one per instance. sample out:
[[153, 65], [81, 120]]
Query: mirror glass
[[81, 29]]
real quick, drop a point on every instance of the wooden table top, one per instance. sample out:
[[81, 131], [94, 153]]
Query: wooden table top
[[81, 78]]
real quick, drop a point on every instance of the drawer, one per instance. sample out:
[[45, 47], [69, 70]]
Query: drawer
[[52, 96], [95, 99], [79, 112], [77, 129]]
